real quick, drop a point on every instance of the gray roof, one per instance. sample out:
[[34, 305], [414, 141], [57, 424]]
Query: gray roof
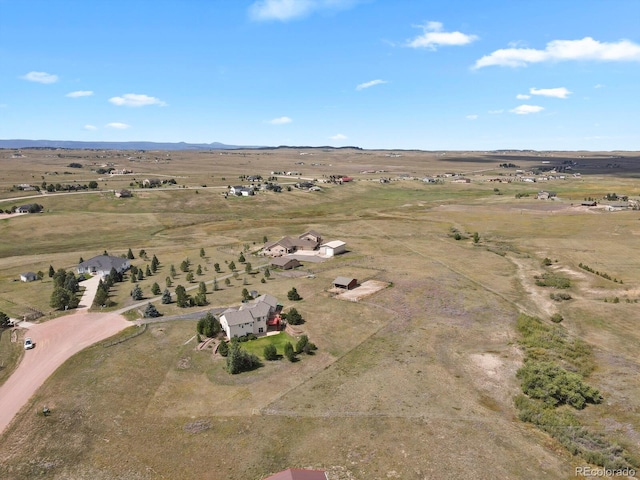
[[247, 312], [343, 281], [104, 263], [237, 317], [282, 261], [268, 299]]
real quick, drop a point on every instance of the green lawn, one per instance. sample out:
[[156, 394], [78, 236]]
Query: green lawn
[[257, 346]]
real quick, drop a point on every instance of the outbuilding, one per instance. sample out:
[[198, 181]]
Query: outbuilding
[[345, 283], [285, 263], [335, 247]]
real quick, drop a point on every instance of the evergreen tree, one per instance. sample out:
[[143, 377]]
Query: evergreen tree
[[52, 272], [239, 360], [247, 268], [130, 255], [270, 352], [241, 258], [202, 254], [151, 311], [182, 298], [223, 349], [288, 352], [267, 273], [245, 295], [168, 281], [71, 283], [173, 271], [216, 267], [200, 299], [147, 272], [80, 260], [202, 287], [227, 282], [142, 253], [199, 270], [293, 294], [63, 299], [140, 275], [4, 320], [190, 277], [293, 317], [184, 266], [102, 296], [302, 342], [132, 278], [166, 297], [232, 266], [136, 293], [155, 289]]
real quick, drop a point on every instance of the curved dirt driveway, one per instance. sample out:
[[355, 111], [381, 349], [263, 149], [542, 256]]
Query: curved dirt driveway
[[56, 341]]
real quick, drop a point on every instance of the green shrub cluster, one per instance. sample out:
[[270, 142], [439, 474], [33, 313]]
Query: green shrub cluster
[[552, 380], [552, 280], [559, 297], [562, 425]]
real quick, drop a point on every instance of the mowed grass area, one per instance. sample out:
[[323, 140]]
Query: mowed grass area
[[416, 380]]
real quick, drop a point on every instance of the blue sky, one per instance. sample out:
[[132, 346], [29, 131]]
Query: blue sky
[[431, 75]]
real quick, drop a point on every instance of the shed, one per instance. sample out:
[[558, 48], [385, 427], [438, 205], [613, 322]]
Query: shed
[[285, 263], [335, 247], [28, 277], [346, 283]]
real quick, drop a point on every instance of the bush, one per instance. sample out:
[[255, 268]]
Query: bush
[[293, 317], [552, 280], [556, 386], [270, 352], [223, 349], [556, 318], [288, 352], [302, 342], [151, 311]]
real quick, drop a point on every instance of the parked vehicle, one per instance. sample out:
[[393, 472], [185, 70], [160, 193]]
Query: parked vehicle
[[28, 343]]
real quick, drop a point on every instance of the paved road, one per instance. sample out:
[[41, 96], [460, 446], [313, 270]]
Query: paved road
[[56, 341]]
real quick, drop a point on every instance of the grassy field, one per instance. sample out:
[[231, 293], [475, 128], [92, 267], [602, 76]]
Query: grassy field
[[416, 381]]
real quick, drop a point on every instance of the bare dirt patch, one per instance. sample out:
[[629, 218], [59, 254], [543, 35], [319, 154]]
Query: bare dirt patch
[[362, 291]]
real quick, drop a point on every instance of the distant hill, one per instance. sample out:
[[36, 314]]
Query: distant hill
[[72, 145]]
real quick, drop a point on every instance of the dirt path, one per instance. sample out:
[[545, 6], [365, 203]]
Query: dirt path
[[56, 341]]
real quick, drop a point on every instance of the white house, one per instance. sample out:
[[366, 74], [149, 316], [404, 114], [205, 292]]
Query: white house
[[28, 277], [249, 318], [240, 190], [335, 247], [102, 265]]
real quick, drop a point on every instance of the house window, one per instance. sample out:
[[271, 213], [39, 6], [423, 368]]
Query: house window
[[260, 330]]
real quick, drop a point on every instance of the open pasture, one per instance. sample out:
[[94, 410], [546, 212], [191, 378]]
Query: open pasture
[[413, 381]]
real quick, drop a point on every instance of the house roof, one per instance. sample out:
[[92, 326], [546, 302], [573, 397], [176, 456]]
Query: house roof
[[343, 281], [104, 263], [298, 474], [268, 299], [283, 261], [259, 309], [334, 244], [28, 275], [310, 232], [237, 317]]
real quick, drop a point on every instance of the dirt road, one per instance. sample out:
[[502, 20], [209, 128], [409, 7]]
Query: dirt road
[[56, 341]]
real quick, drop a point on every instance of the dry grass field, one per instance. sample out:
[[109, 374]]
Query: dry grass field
[[416, 381]]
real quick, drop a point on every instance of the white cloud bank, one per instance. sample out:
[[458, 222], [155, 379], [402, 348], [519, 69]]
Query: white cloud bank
[[118, 125], [560, 92], [563, 50], [285, 10], [90, 127], [522, 96], [471, 117], [79, 93], [372, 83], [280, 121], [433, 37], [136, 100], [526, 109], [40, 77], [338, 136]]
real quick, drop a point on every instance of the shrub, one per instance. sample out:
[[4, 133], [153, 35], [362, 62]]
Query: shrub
[[151, 311], [552, 280], [239, 360], [302, 342], [293, 317], [223, 349], [556, 318], [270, 352], [293, 295], [288, 352]]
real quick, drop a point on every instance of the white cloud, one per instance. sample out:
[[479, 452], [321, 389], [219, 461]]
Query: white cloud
[[92, 127], [526, 109], [563, 50], [136, 100], [280, 121], [339, 136], [522, 96], [79, 93], [496, 112], [433, 37], [599, 85], [471, 117], [118, 125], [284, 10], [560, 92], [372, 83], [40, 77]]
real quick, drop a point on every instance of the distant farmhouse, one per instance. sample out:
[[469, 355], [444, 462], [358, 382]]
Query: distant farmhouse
[[29, 208], [335, 247], [255, 317], [285, 263], [307, 241], [28, 277], [239, 190], [124, 193], [102, 265]]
